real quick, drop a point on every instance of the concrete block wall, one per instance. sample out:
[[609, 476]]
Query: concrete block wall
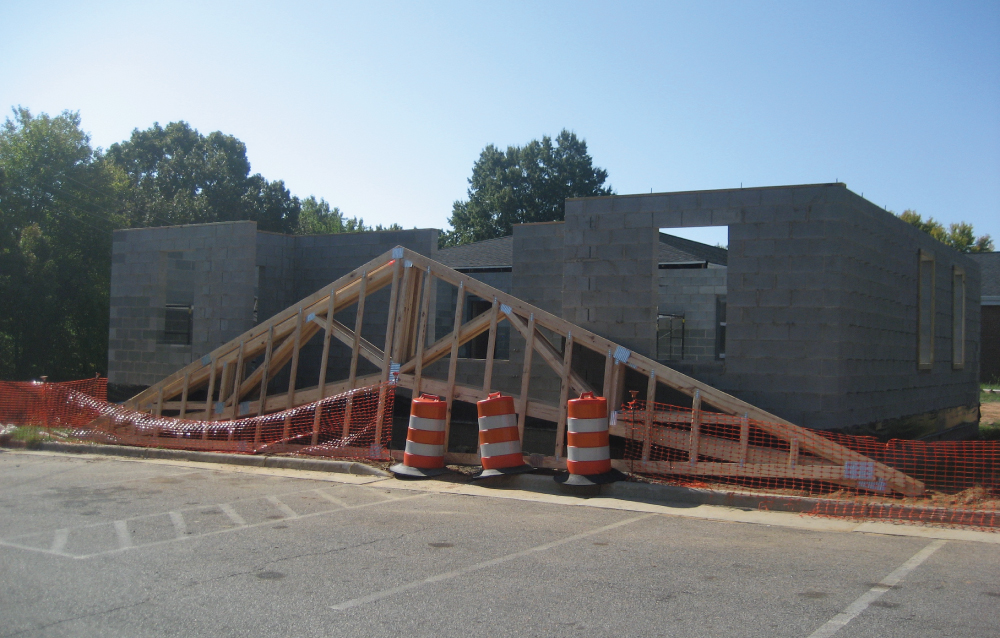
[[610, 273], [784, 310], [210, 264], [821, 298], [692, 292], [878, 356], [224, 269], [275, 274]]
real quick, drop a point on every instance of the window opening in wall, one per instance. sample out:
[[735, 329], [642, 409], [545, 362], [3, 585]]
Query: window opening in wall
[[720, 326], [669, 337], [177, 325], [717, 236], [476, 349], [957, 318], [925, 311]]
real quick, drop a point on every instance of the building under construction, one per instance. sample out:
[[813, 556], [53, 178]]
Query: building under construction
[[825, 312]]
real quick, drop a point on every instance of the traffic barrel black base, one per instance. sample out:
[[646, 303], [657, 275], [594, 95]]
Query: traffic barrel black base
[[405, 471], [582, 480], [503, 471]]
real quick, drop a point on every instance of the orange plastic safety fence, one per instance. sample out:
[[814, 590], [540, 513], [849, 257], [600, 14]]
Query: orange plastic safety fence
[[37, 403], [355, 424], [960, 480]]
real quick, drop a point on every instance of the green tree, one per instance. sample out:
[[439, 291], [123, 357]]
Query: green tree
[[176, 175], [524, 184], [959, 236], [318, 218], [56, 200]]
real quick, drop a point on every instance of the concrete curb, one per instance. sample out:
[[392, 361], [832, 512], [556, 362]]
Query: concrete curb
[[655, 493], [282, 462], [675, 495]]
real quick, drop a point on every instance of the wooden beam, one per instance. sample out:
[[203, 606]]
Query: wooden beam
[[567, 368], [237, 383], [617, 386], [323, 362], [211, 390], [402, 311], [277, 402], [741, 456], [224, 382], [184, 396], [442, 347], [293, 373], [390, 322], [422, 333], [281, 353], [550, 355], [359, 318], [529, 350], [469, 394], [491, 347], [695, 428], [262, 400], [609, 367], [366, 349], [453, 361], [647, 426], [387, 359], [159, 403], [713, 447], [413, 316], [828, 473]]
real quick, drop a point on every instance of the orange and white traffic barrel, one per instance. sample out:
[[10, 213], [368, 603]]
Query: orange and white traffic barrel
[[424, 453], [499, 440], [588, 451]]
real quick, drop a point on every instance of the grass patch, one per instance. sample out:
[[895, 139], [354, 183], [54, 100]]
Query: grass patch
[[989, 410], [31, 436], [989, 431]]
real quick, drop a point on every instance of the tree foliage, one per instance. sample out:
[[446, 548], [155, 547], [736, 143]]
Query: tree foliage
[[56, 203], [318, 218], [176, 175], [60, 200], [959, 236], [523, 184]]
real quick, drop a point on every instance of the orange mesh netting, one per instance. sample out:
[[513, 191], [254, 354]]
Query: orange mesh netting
[[355, 424], [960, 480]]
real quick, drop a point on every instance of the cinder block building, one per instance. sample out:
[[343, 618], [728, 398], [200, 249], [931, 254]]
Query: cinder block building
[[825, 309], [989, 348]]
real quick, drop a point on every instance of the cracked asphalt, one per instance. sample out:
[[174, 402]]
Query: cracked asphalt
[[114, 547]]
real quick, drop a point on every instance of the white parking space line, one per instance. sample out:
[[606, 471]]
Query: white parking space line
[[126, 542], [355, 602], [858, 606], [287, 511], [228, 510], [60, 540], [124, 538], [180, 527], [332, 499]]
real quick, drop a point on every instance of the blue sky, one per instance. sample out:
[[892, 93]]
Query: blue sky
[[382, 108]]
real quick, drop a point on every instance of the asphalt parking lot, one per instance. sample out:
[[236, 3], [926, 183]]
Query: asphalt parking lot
[[104, 546]]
